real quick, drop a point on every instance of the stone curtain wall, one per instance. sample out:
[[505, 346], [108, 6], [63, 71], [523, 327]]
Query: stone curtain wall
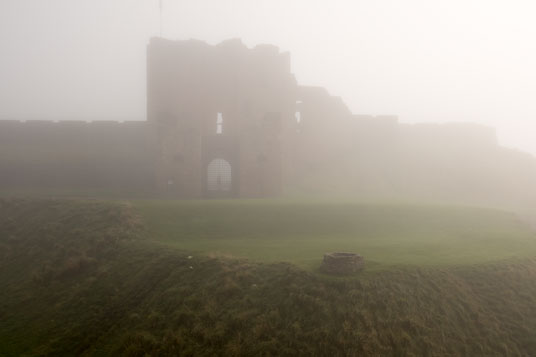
[[75, 155]]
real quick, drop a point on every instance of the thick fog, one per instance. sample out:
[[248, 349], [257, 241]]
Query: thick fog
[[470, 60]]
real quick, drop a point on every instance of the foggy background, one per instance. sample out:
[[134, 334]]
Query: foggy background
[[426, 61]]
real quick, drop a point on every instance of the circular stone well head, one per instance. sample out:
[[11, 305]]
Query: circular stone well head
[[342, 263]]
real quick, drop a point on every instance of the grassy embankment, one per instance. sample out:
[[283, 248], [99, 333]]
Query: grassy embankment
[[88, 278]]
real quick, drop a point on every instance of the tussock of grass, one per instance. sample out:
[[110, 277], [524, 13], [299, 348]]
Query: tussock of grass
[[108, 292]]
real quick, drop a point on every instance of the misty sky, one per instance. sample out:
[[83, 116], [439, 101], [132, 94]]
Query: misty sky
[[426, 61]]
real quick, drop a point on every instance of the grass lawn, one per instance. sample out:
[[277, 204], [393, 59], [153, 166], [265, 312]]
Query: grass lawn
[[81, 278], [300, 232]]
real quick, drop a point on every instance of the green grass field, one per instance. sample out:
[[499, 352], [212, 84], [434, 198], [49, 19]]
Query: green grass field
[[97, 278], [300, 232]]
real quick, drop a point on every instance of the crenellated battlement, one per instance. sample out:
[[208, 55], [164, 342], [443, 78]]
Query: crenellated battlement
[[7, 123]]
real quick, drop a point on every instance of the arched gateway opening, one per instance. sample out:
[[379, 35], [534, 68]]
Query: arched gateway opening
[[219, 178]]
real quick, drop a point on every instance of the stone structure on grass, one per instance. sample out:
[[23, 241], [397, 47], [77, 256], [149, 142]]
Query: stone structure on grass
[[342, 263]]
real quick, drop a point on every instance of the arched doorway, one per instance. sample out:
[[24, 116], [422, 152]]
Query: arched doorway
[[219, 178]]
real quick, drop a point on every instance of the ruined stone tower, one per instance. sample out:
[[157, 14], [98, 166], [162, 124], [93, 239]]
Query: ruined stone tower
[[218, 116]]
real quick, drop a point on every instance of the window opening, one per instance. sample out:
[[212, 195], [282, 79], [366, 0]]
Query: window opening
[[298, 117], [219, 124]]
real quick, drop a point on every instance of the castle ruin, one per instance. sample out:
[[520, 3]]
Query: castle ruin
[[227, 121]]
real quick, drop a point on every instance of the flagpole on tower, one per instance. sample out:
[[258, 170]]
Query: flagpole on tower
[[161, 7]]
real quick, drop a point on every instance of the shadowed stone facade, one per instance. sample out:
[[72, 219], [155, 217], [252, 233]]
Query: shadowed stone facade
[[241, 110], [226, 105]]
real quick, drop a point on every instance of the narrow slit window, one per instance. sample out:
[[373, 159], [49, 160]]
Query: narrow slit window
[[298, 117], [219, 124]]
